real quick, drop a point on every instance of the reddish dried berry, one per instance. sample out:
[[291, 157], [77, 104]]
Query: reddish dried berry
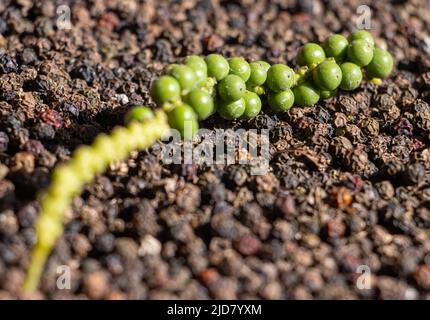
[[209, 276], [52, 118], [416, 144], [108, 21], [343, 197], [248, 245], [214, 42], [35, 147], [422, 276], [350, 263], [357, 182], [335, 228], [403, 127]]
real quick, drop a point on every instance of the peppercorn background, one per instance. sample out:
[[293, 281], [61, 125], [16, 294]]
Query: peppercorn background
[[349, 181]]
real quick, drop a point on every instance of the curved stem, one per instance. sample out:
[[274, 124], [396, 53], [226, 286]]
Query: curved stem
[[69, 178], [39, 255]]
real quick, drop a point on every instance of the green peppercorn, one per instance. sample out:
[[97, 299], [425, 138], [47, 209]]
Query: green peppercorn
[[199, 66], [197, 62], [139, 114], [327, 75], [258, 74], [164, 89], [351, 76], [381, 64], [202, 103], [201, 75], [184, 74], [252, 105], [362, 35], [239, 67], [218, 67], [231, 88], [264, 64], [325, 94], [184, 119], [336, 46], [360, 52], [310, 55], [281, 101], [232, 110], [280, 77], [306, 94]]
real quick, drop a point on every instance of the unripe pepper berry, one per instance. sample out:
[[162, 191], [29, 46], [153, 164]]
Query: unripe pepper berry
[[202, 103], [231, 88], [184, 74], [165, 89], [264, 64], [184, 119], [310, 55], [325, 94], [362, 35], [232, 110], [306, 94], [381, 64], [252, 105], [239, 67], [218, 66], [258, 74], [351, 76], [281, 101], [139, 113], [327, 75], [360, 52], [199, 66], [197, 62], [336, 46], [280, 77]]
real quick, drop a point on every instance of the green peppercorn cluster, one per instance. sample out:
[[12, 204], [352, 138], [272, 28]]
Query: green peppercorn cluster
[[86, 162], [234, 88]]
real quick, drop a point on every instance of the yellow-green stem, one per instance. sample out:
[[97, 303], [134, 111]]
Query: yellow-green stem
[[69, 178], [377, 81], [39, 255]]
